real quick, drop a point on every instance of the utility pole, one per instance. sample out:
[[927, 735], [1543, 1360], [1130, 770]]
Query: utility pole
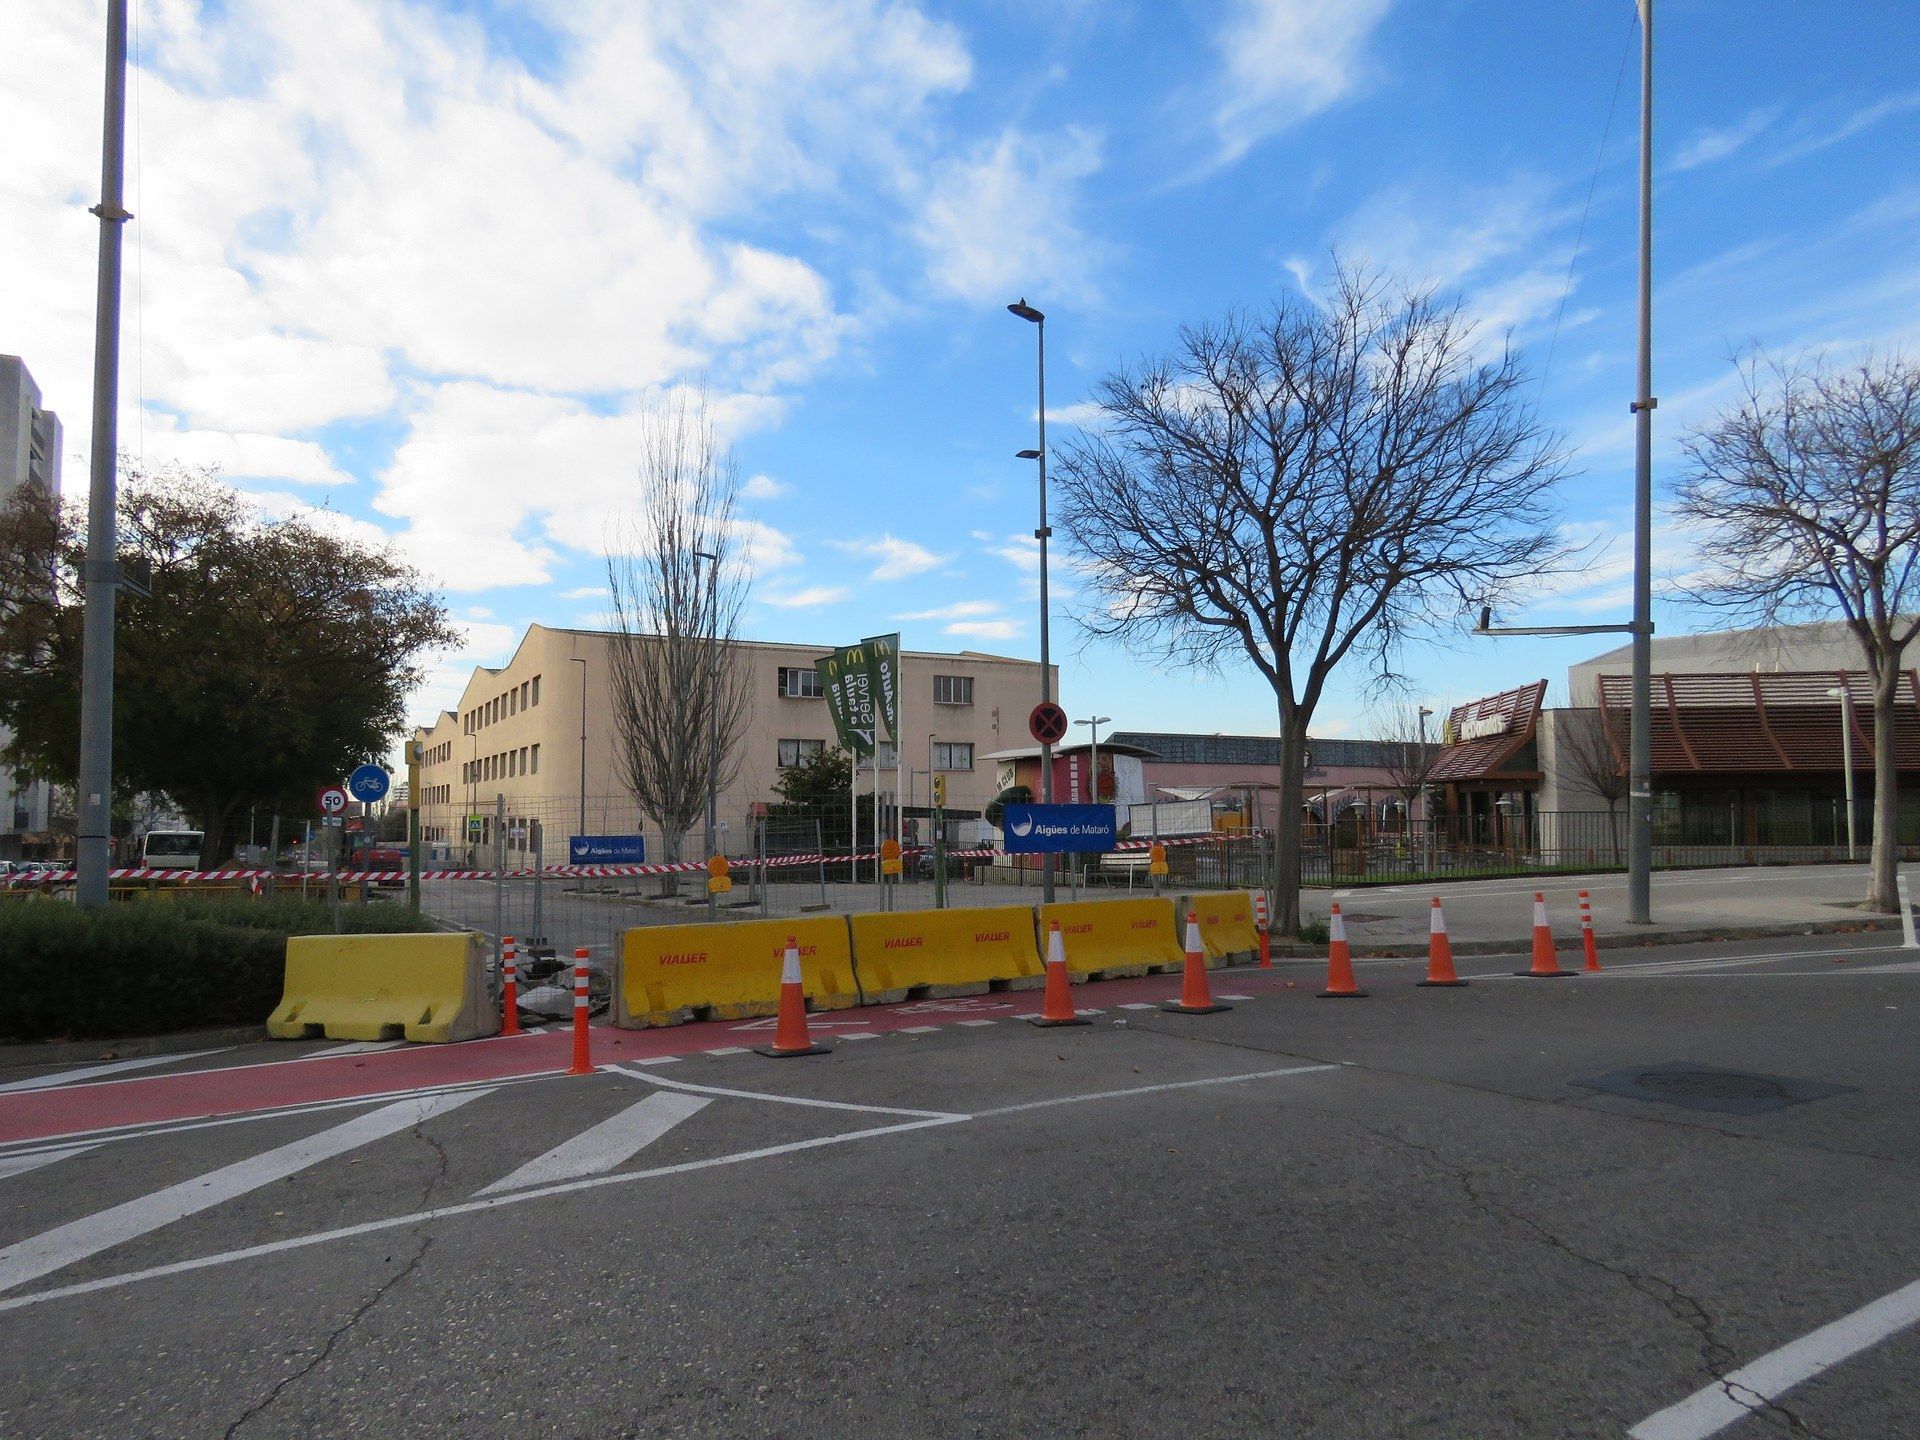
[[1640, 740], [102, 572], [713, 719], [1042, 533]]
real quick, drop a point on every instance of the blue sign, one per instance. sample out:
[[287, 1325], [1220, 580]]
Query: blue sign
[[1050, 829], [368, 784], [606, 849]]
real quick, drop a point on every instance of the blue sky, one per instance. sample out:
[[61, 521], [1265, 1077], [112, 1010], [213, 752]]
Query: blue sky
[[420, 267]]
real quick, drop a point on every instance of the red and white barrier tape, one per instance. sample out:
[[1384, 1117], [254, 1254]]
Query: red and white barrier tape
[[568, 872]]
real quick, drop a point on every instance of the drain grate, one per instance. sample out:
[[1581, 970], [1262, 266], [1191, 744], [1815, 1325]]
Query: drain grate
[[1701, 1087]]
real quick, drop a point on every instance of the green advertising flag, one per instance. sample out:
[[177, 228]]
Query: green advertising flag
[[849, 692], [883, 670]]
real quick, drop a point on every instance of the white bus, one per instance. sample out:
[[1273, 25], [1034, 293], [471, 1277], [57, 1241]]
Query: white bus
[[171, 849]]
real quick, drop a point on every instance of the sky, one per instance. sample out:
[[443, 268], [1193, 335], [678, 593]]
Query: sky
[[419, 270]]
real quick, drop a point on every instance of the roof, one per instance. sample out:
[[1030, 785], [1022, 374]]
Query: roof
[[1482, 735], [1032, 752], [1769, 721], [1174, 748]]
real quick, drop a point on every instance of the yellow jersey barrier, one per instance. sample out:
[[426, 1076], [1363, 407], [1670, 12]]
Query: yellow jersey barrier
[[1227, 930], [944, 952], [668, 974], [1116, 937], [385, 987]]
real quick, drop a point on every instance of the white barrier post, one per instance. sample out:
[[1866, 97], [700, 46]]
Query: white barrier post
[[1906, 913]]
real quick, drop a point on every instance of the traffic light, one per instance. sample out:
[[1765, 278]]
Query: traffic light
[[939, 790], [889, 856], [1156, 859], [718, 881]]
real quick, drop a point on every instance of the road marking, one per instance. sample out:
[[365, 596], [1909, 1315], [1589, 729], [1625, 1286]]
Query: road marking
[[917, 1029], [657, 1060], [353, 1047], [971, 1023], [858, 1035], [605, 1146], [1236, 997], [11, 1165], [726, 1050], [64, 1244], [90, 1072], [1140, 1005], [629, 1177], [1711, 1409], [808, 1101], [1654, 968], [1151, 1089]]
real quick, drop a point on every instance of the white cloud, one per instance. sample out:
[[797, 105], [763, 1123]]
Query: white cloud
[[1704, 147], [585, 592], [996, 222], [239, 457], [898, 558], [985, 629], [959, 610], [1284, 61], [809, 597], [1816, 139], [764, 487]]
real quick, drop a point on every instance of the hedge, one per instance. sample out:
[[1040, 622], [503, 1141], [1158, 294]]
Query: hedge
[[147, 967]]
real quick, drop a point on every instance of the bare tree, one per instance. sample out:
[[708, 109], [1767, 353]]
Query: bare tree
[[1306, 488], [1405, 753], [1584, 749], [1806, 493], [675, 671]]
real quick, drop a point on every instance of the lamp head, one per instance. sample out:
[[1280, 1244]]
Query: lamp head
[[1026, 454], [1025, 311]]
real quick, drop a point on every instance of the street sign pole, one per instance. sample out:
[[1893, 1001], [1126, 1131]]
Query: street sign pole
[[413, 825]]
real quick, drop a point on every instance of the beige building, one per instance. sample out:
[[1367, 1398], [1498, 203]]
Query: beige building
[[518, 734]]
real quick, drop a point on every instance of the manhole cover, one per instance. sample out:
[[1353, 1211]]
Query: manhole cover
[[1700, 1087]]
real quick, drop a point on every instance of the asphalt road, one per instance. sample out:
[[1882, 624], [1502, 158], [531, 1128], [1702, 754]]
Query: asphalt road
[[1399, 1216]]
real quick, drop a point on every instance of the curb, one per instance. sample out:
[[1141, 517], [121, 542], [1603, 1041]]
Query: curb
[[60, 1052], [1417, 950]]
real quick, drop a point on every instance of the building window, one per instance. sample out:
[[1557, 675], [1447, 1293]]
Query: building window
[[800, 752], [536, 760], [953, 690], [513, 764], [523, 760], [513, 702], [536, 689], [952, 756], [887, 755], [797, 683], [523, 695]]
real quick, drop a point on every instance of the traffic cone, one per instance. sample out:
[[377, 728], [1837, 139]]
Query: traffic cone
[[1057, 1007], [790, 1036], [1440, 951], [1196, 996], [1263, 925], [1340, 984], [509, 988], [1586, 932], [1545, 965], [582, 1056]]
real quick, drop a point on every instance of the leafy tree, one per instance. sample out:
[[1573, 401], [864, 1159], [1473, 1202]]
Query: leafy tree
[[818, 785], [1308, 488], [271, 658], [1806, 495]]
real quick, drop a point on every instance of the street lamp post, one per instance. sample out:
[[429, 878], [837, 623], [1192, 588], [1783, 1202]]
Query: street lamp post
[[1042, 533], [713, 714], [473, 792], [1845, 697], [1093, 758], [1426, 811], [577, 660]]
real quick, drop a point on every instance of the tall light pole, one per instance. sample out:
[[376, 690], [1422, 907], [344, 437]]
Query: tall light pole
[[102, 570], [1093, 761], [1640, 739], [1042, 533], [713, 713], [581, 662], [1845, 697]]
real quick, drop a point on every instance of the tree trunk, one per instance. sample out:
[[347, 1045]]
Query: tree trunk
[[1286, 825], [1881, 892], [1613, 826], [215, 846]]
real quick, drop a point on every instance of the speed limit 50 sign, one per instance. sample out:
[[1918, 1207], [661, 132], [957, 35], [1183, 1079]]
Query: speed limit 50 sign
[[331, 800]]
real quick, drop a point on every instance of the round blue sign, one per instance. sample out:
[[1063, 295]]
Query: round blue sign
[[368, 783]]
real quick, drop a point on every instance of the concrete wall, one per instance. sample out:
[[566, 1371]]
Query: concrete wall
[[1789, 647]]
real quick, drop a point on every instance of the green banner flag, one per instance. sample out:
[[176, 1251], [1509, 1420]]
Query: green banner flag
[[883, 670], [849, 690]]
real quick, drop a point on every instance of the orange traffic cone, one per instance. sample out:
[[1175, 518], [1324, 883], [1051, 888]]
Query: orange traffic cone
[[790, 1035], [1586, 932], [1196, 996], [1440, 951], [1057, 1007], [582, 1054], [1340, 984], [509, 988], [1264, 926], [1545, 965]]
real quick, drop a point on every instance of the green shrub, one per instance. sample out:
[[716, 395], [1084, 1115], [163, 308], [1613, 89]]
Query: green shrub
[[145, 967], [1313, 932]]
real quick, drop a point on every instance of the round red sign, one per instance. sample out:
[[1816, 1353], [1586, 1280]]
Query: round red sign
[[1048, 722]]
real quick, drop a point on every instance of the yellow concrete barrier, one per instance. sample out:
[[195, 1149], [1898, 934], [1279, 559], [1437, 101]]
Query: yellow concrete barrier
[[1226, 924], [1115, 937], [668, 974], [386, 987], [944, 952]]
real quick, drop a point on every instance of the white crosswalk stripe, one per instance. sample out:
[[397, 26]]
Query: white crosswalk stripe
[[21, 1164], [354, 1047], [611, 1143], [42, 1254], [93, 1072]]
